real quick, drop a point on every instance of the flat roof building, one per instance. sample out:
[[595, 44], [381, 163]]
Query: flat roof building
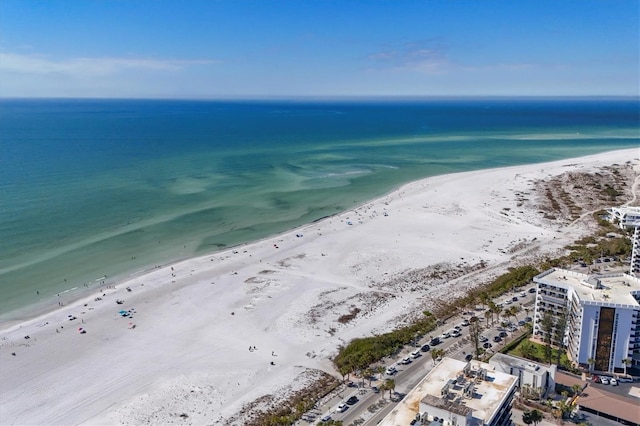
[[599, 314], [458, 393], [534, 379]]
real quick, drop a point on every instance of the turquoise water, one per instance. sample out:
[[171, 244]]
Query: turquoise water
[[90, 188]]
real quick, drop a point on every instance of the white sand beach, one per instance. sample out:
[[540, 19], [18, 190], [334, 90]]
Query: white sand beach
[[195, 320]]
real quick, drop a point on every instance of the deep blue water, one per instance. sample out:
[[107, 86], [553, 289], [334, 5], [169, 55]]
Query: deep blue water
[[105, 187]]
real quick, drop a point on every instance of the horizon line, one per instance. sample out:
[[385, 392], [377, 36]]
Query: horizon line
[[335, 98]]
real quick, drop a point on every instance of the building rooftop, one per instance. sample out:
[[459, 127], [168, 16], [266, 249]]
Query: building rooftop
[[602, 401], [504, 362], [609, 288], [474, 388]]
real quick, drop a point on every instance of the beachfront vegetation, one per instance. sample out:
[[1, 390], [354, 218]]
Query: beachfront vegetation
[[359, 354], [291, 410]]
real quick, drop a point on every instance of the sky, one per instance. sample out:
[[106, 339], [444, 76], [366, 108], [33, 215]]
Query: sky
[[308, 48]]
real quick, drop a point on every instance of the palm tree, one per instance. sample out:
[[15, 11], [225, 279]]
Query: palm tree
[[547, 324], [626, 362], [367, 373], [497, 310], [591, 363], [576, 389], [492, 309], [536, 416], [515, 310], [345, 370], [484, 299], [435, 354], [390, 385], [383, 387], [488, 315]]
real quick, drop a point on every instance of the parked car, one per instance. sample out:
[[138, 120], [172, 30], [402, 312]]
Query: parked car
[[528, 319], [435, 341], [595, 378], [445, 335], [613, 381], [497, 339], [487, 345], [624, 380], [425, 348], [342, 407], [468, 358], [415, 354], [457, 328], [521, 323], [465, 323], [604, 380], [502, 334], [352, 400], [375, 389], [391, 371], [514, 299], [405, 361], [455, 333], [483, 339], [326, 418], [532, 290], [523, 294]]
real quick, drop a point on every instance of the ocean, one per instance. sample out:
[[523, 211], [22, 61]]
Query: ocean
[[92, 190]]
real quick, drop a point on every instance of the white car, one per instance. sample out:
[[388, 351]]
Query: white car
[[416, 354], [613, 381], [455, 333], [405, 361], [342, 407], [391, 371], [465, 323], [483, 339], [604, 380], [445, 335]]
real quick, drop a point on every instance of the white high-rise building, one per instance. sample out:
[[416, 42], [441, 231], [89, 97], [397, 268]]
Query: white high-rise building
[[625, 216], [635, 252], [602, 315]]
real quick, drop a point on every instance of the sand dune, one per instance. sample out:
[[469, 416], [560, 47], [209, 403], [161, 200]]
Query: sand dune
[[195, 320]]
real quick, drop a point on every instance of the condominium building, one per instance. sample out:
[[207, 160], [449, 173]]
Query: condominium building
[[600, 314], [625, 216], [635, 253], [458, 393]]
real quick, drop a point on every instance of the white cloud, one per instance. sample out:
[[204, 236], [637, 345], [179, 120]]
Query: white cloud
[[89, 67], [426, 57]]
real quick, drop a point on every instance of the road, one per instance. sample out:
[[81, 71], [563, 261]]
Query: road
[[373, 407]]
